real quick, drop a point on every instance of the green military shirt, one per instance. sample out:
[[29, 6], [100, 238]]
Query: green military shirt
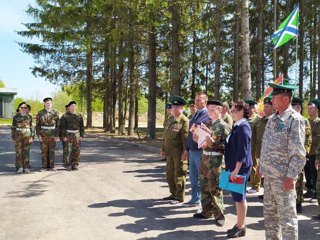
[[258, 130], [21, 126], [175, 135], [168, 121], [47, 123], [72, 122], [228, 119], [220, 131], [315, 130], [252, 120]]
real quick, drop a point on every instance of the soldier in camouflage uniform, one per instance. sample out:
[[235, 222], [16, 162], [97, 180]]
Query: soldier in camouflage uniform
[[309, 169], [225, 114], [64, 144], [282, 160], [22, 135], [253, 119], [47, 129], [72, 133], [175, 137], [297, 105], [211, 165], [257, 134]]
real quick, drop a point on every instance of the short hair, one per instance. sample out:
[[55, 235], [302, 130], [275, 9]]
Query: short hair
[[241, 105], [202, 94], [226, 105]]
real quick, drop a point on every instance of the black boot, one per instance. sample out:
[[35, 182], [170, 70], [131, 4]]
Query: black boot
[[299, 207]]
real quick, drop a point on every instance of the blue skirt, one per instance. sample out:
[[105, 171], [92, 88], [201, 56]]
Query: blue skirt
[[238, 197]]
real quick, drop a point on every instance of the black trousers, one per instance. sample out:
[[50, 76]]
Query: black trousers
[[310, 173]]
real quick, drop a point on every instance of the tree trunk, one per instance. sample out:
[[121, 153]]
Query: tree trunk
[[260, 46], [152, 96], [121, 117], [131, 89], [301, 49], [175, 48], [106, 99], [89, 84], [245, 49], [235, 82], [217, 70]]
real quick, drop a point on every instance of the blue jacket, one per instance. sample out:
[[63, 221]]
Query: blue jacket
[[201, 116], [238, 148]]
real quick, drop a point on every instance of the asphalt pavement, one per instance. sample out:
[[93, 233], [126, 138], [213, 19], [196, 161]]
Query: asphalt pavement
[[116, 194]]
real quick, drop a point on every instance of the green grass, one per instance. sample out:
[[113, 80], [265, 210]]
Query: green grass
[[5, 121]]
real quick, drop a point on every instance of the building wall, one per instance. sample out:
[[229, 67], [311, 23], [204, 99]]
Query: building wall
[[6, 101]]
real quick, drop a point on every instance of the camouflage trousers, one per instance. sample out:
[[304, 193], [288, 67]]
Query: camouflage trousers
[[255, 179], [281, 221], [48, 146], [73, 150], [176, 172], [22, 152], [299, 188], [64, 152], [211, 194]]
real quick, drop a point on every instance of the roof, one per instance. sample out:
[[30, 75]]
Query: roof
[[8, 91]]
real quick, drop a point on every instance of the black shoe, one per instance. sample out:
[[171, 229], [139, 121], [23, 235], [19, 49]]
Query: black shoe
[[308, 194], [316, 217], [201, 216], [163, 159], [232, 229], [171, 197], [75, 168], [220, 222], [299, 207], [261, 197], [176, 201], [237, 233]]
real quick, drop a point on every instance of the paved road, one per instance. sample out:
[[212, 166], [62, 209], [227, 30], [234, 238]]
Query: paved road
[[116, 194]]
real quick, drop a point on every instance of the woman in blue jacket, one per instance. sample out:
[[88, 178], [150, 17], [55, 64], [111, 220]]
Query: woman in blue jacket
[[238, 161]]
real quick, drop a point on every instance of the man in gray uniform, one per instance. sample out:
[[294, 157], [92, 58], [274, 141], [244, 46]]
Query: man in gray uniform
[[282, 160]]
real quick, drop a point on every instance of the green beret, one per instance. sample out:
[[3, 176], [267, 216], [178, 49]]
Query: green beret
[[191, 102], [315, 102], [47, 99], [214, 102], [168, 105], [177, 100], [250, 102], [283, 87], [267, 100], [296, 101]]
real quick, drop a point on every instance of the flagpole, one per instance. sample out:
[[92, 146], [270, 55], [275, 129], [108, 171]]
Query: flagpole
[[275, 50], [297, 45]]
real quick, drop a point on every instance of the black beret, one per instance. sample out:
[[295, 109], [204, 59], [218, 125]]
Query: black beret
[[250, 102], [47, 99], [72, 102], [315, 102], [267, 100], [296, 101], [191, 102], [215, 102], [168, 105]]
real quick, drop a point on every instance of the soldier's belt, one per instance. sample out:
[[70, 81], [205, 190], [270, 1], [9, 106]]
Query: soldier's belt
[[211, 153], [23, 129], [48, 128], [72, 131]]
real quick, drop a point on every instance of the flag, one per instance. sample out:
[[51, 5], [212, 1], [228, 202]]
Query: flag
[[288, 29]]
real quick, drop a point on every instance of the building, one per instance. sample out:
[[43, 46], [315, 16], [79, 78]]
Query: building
[[6, 102]]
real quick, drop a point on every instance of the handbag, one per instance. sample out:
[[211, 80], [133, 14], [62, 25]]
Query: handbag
[[238, 185]]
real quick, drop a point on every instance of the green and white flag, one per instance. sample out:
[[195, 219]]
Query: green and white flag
[[288, 29]]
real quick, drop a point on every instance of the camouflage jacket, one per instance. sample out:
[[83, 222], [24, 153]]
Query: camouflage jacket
[[315, 130], [175, 135], [220, 131], [47, 123], [71, 122], [282, 150], [308, 140], [21, 126]]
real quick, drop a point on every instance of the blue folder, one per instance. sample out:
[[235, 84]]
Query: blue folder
[[225, 182]]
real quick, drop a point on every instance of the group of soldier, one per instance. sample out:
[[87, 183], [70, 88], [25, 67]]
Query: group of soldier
[[290, 145], [49, 128]]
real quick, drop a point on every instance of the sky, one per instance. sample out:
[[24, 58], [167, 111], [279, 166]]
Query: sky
[[15, 65]]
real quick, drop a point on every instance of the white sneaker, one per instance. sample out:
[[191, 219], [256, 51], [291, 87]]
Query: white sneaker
[[252, 190], [20, 170], [27, 170]]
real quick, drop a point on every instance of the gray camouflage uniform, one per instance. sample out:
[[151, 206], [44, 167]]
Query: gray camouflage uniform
[[282, 155]]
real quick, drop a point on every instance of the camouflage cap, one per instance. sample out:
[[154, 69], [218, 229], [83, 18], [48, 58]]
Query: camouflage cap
[[177, 100]]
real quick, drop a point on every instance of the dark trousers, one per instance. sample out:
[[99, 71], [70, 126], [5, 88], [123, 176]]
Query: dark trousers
[[310, 173]]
